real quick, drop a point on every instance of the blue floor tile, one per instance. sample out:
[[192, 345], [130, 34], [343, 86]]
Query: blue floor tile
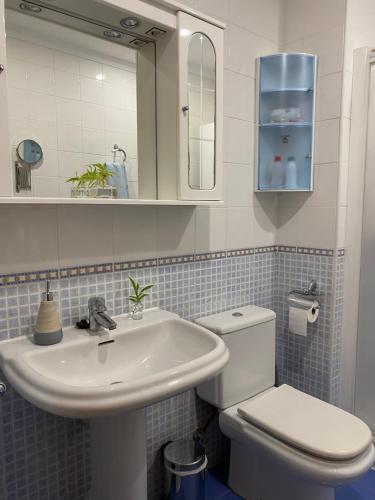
[[214, 488], [363, 489]]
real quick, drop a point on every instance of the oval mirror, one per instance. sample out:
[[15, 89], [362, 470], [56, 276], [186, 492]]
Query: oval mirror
[[29, 153], [202, 107]]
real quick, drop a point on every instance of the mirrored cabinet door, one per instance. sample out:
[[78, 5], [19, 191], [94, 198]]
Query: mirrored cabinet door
[[200, 109]]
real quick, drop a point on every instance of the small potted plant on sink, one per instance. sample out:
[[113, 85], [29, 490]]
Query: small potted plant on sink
[[136, 304], [93, 183]]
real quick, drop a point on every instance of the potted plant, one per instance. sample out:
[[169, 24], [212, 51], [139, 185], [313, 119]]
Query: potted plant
[[136, 305], [93, 183]]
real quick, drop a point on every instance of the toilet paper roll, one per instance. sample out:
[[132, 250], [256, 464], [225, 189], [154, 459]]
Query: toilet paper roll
[[298, 318]]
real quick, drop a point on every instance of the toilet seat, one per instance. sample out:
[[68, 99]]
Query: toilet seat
[[327, 472], [307, 423]]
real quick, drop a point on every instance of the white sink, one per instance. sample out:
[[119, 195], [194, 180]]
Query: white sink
[[139, 363]]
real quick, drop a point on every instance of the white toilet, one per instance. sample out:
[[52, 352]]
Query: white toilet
[[285, 444]]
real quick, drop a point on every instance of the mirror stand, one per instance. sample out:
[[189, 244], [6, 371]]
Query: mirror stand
[[23, 177]]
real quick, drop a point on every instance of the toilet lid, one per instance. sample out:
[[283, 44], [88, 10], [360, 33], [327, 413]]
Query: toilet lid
[[307, 423]]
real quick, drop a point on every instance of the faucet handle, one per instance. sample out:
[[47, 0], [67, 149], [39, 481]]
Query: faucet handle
[[97, 304]]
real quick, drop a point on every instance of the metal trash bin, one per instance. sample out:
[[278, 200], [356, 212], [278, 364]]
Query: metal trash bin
[[185, 462]]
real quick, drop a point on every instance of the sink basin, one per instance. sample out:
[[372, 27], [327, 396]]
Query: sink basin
[[137, 364]]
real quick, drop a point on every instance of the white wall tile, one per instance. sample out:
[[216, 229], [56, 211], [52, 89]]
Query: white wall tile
[[69, 111], [240, 228], [67, 85], [45, 132], [114, 119], [18, 103], [66, 62], [214, 8], [325, 186], [238, 144], [134, 233], [262, 18], [239, 96], [69, 138], [329, 96], [93, 141], [210, 229], [93, 115], [29, 241], [176, 231], [329, 46], [91, 69], [42, 107], [303, 18], [317, 227], [70, 163], [45, 187], [264, 225], [242, 47], [85, 236], [49, 166], [239, 186], [17, 74], [327, 135], [40, 78], [91, 90]]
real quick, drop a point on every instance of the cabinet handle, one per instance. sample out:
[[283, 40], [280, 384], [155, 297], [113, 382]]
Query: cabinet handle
[[308, 156], [2, 68], [185, 109]]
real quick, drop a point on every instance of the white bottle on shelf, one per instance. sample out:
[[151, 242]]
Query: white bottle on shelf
[[291, 173], [278, 173]]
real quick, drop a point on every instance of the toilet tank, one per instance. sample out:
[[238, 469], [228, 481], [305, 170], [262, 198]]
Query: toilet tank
[[249, 333]]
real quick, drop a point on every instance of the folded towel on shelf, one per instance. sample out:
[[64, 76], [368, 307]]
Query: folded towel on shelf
[[119, 178]]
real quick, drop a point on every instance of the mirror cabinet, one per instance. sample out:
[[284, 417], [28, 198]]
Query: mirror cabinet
[[123, 104]]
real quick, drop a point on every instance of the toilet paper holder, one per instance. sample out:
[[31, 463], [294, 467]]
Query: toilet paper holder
[[304, 299]]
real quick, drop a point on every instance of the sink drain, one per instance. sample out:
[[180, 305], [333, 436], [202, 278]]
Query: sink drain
[[117, 382]]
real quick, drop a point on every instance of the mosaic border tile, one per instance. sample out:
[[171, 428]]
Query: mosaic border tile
[[180, 259], [71, 272], [316, 251], [108, 267], [28, 277], [210, 256]]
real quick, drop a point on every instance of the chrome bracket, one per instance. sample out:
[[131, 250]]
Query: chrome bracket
[[3, 388], [23, 177]]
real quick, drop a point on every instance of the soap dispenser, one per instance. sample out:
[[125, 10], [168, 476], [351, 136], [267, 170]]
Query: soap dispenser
[[48, 329]]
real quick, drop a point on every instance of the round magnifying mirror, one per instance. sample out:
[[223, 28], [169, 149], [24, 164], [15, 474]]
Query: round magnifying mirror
[[29, 153]]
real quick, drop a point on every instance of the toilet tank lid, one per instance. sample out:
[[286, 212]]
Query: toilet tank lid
[[236, 319]]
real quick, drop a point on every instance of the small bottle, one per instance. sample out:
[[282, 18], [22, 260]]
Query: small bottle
[[48, 329], [291, 173], [278, 173]]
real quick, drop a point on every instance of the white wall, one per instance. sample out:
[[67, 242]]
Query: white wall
[[78, 102], [317, 27], [51, 237]]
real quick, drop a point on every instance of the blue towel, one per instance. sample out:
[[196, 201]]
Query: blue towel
[[119, 178]]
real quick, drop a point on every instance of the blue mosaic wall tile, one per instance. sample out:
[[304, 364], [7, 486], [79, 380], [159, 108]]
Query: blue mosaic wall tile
[[51, 455], [305, 362]]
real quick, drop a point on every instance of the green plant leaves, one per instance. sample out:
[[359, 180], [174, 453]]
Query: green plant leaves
[[97, 174], [139, 293]]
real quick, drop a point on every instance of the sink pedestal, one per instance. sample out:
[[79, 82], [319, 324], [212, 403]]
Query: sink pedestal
[[119, 460]]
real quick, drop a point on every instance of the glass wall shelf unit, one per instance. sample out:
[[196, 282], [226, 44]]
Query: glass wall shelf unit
[[286, 88]]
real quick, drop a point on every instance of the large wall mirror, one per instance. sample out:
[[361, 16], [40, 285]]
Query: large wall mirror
[[202, 105], [80, 90]]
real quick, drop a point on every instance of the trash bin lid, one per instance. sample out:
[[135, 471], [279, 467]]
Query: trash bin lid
[[184, 455]]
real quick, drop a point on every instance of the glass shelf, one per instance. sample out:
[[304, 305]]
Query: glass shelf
[[291, 89], [286, 124], [286, 84]]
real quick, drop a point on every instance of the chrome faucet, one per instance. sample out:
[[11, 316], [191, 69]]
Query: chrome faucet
[[98, 317]]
